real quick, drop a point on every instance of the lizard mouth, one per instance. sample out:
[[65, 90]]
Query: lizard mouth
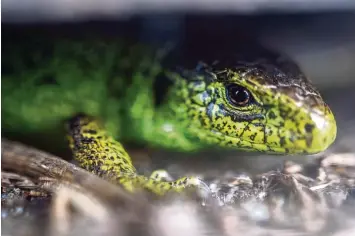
[[307, 133]]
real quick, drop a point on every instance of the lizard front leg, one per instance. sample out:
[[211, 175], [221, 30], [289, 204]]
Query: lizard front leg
[[98, 152]]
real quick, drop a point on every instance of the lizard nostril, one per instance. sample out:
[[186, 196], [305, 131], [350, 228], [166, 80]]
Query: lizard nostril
[[308, 128]]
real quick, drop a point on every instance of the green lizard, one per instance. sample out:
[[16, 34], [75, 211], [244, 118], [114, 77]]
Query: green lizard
[[107, 91]]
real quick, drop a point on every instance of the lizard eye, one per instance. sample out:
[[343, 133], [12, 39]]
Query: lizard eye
[[238, 95]]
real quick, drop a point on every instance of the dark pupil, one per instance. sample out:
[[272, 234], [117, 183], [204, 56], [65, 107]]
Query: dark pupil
[[238, 95]]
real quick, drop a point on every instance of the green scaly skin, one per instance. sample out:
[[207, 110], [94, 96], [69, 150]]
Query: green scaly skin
[[115, 84]]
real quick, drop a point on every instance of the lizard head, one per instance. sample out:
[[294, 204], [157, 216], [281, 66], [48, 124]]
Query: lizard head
[[254, 102]]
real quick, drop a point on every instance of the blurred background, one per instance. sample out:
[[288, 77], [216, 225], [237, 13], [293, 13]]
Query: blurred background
[[319, 34]]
